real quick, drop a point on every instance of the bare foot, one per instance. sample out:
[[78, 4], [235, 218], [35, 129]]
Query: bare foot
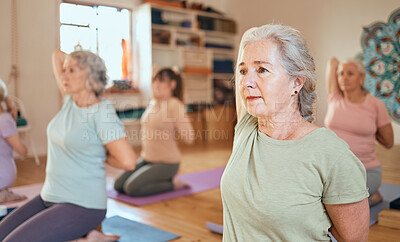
[[179, 184], [375, 198], [8, 196], [96, 236]]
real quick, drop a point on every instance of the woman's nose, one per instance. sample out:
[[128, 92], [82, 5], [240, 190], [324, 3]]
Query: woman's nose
[[249, 81]]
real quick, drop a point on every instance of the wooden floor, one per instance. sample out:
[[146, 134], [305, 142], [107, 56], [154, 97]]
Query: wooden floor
[[187, 216]]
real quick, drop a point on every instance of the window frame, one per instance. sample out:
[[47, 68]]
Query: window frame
[[119, 4]]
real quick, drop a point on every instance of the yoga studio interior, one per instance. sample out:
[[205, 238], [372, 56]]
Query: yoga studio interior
[[200, 41]]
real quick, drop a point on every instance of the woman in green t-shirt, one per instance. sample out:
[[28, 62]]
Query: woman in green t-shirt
[[287, 179], [82, 136]]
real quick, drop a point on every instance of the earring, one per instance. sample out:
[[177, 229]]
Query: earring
[[295, 92]]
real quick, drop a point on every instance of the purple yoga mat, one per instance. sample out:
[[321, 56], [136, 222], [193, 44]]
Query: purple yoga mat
[[198, 181]]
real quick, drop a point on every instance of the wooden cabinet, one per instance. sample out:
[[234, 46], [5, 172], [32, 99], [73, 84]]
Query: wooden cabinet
[[201, 44]]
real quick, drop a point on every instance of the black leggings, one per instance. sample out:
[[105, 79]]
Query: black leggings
[[148, 178], [43, 221]]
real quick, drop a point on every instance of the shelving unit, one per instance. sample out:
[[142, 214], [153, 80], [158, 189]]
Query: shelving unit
[[201, 44]]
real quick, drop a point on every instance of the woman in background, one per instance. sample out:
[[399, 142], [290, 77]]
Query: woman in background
[[9, 141], [358, 118], [160, 157], [84, 134]]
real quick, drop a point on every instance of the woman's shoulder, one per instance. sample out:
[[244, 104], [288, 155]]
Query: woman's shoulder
[[327, 139], [326, 148], [246, 121], [371, 99], [7, 122], [335, 95], [174, 101], [5, 117], [67, 99], [175, 105], [103, 109], [104, 103], [375, 103]]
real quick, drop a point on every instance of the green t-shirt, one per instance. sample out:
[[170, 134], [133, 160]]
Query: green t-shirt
[[275, 190], [76, 152]]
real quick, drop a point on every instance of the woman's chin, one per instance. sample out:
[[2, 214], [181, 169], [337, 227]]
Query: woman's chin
[[256, 112]]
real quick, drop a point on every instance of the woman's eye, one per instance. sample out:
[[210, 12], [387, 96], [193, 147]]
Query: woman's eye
[[243, 72], [262, 70]]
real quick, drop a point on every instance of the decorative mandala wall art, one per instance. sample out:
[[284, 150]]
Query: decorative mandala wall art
[[381, 57]]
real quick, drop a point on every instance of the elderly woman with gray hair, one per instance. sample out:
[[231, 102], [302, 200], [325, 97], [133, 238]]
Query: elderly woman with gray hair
[[84, 134], [358, 118], [287, 179]]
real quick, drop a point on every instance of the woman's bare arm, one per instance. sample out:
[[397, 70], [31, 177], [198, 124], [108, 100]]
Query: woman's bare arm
[[121, 155], [331, 75], [350, 222], [16, 144], [11, 108], [384, 135], [58, 59]]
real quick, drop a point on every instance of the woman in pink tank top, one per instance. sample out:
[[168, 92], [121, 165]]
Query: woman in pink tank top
[[358, 118]]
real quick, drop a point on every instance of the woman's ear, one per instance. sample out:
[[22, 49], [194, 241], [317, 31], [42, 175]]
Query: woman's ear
[[363, 76], [299, 83], [173, 84]]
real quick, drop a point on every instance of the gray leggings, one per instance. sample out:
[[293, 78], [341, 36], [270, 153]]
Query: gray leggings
[[374, 179], [43, 221], [148, 178]]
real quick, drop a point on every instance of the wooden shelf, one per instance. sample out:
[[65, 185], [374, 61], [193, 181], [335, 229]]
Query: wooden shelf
[[196, 60], [226, 76], [222, 51], [218, 33], [174, 28]]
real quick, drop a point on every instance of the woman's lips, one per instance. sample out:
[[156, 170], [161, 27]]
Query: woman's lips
[[252, 98]]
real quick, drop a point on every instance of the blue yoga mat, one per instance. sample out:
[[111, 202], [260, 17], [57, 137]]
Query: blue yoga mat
[[216, 228], [130, 230], [9, 210], [389, 192]]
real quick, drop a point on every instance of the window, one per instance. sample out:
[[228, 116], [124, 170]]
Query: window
[[99, 29]]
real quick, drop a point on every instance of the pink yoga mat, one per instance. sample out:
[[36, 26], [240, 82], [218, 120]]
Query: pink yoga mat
[[30, 191], [198, 181]]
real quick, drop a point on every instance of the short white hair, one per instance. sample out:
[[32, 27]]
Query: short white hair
[[358, 63], [95, 69], [3, 90]]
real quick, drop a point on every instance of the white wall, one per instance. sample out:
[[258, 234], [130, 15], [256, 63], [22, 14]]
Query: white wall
[[37, 38], [331, 27]]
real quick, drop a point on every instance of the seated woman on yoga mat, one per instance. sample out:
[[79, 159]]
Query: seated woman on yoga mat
[[287, 179], [9, 141], [84, 134], [160, 157], [358, 118]]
